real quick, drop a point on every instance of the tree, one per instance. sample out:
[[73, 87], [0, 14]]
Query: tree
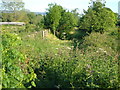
[[37, 20], [118, 21], [88, 21], [13, 10], [21, 16], [31, 16], [67, 23], [7, 17], [76, 15], [98, 18], [12, 5], [61, 21], [53, 16]]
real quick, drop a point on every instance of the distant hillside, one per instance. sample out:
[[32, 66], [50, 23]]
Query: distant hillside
[[42, 13], [5, 11]]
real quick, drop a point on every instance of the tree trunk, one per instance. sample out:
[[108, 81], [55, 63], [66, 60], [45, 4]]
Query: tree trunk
[[54, 32]]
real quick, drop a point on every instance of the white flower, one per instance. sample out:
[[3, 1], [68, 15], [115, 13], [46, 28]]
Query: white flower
[[72, 46], [69, 48], [105, 51], [64, 33], [28, 35], [88, 66], [18, 38], [101, 49], [15, 34], [35, 32]]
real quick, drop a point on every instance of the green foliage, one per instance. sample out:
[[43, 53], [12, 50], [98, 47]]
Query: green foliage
[[95, 65], [118, 19], [67, 24], [76, 15], [54, 64], [98, 18], [12, 6], [14, 69], [21, 16], [7, 17], [34, 19], [53, 16], [9, 62], [96, 40], [14, 12], [90, 61], [77, 70], [61, 20], [18, 16], [29, 28], [31, 17]]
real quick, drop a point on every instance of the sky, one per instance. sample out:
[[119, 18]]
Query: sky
[[119, 8], [41, 5]]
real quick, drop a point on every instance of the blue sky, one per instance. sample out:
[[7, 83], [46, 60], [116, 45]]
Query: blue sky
[[41, 5]]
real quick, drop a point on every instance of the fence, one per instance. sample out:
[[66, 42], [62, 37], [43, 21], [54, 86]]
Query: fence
[[45, 33], [42, 34]]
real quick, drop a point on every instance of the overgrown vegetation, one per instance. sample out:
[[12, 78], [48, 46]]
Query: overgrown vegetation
[[81, 51]]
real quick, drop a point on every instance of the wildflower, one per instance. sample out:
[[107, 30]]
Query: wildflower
[[105, 51], [72, 46], [18, 38], [101, 49], [88, 66], [69, 48], [64, 33], [56, 48], [36, 32], [15, 34], [28, 35]]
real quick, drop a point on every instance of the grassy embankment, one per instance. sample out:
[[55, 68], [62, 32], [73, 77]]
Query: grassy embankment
[[56, 64]]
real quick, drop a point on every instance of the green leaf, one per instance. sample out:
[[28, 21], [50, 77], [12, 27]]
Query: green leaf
[[33, 83]]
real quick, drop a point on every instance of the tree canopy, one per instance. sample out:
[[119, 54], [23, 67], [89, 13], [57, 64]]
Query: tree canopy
[[60, 20], [53, 16], [98, 18], [12, 6]]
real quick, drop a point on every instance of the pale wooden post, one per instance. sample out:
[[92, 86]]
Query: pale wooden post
[[48, 30], [43, 34]]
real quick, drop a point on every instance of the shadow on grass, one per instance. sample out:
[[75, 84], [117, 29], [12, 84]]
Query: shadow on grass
[[50, 78], [54, 77]]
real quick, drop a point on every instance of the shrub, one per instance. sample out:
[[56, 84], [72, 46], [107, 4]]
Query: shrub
[[15, 72]]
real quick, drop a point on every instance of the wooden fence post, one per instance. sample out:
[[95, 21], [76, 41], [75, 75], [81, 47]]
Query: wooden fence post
[[48, 30], [43, 34]]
